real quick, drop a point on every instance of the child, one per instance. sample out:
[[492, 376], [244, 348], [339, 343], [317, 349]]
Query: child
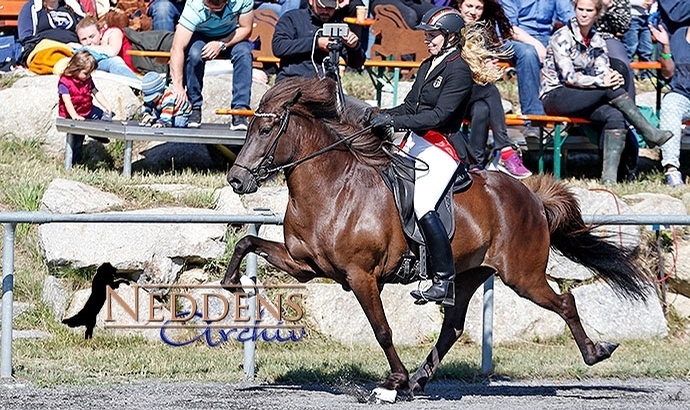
[[76, 92], [159, 108]]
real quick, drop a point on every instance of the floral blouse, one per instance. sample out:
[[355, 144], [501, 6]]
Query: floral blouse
[[569, 61], [616, 21]]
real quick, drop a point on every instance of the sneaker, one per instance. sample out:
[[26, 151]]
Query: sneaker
[[239, 123], [195, 118], [530, 132], [513, 166], [674, 178]]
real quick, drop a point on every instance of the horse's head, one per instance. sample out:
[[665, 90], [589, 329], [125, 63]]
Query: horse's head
[[276, 134]]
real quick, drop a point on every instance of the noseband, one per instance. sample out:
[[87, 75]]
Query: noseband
[[266, 167]]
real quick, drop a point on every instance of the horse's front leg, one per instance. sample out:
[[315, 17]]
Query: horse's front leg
[[274, 252], [366, 291]]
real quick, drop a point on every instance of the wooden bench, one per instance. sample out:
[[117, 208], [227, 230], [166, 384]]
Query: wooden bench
[[9, 12], [131, 131]]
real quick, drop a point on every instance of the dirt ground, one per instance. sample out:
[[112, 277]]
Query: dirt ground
[[496, 395]]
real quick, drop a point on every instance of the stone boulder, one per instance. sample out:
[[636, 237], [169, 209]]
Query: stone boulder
[[70, 197]]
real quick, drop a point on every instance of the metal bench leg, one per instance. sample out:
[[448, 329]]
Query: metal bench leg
[[68, 152], [557, 145], [127, 167], [396, 80], [541, 150]]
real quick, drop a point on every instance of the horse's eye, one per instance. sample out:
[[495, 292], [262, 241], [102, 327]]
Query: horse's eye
[[265, 130]]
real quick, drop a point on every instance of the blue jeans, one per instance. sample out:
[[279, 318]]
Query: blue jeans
[[116, 65], [78, 140], [165, 14], [241, 57], [528, 69], [638, 39], [280, 7]]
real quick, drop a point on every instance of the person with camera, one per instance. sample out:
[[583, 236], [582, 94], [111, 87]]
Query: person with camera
[[303, 39]]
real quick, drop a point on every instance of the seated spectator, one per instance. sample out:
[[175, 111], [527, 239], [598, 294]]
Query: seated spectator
[[159, 109], [277, 6], [48, 19], [532, 22], [675, 14], [411, 10], [109, 45], [301, 48], [486, 15], [165, 13], [211, 29], [581, 81], [675, 107]]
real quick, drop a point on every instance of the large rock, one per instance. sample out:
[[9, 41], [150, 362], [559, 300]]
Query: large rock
[[677, 266], [605, 316], [270, 198], [54, 295], [515, 318], [71, 197], [217, 93], [337, 314]]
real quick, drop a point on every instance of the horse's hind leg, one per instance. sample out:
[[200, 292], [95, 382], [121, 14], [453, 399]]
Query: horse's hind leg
[[541, 293], [466, 284]]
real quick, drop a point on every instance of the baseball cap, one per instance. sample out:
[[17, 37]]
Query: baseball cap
[[327, 4]]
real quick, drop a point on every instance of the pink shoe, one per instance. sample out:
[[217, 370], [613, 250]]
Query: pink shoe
[[513, 166]]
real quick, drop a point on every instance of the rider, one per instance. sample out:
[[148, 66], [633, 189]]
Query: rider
[[433, 110]]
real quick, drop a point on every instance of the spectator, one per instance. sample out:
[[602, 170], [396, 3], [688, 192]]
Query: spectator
[[487, 15], [279, 7], [159, 108], [211, 29], [165, 13], [674, 14], [580, 81], [532, 22], [77, 92], [611, 25], [433, 111], [301, 47], [675, 107], [110, 44], [638, 39], [48, 19]]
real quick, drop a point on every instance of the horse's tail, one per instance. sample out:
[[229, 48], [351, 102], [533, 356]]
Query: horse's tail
[[574, 239]]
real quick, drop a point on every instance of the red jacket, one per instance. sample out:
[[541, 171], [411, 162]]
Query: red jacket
[[80, 92]]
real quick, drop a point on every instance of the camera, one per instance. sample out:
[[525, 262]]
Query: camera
[[335, 30]]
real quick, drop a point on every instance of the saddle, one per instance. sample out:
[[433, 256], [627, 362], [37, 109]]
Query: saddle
[[399, 178]]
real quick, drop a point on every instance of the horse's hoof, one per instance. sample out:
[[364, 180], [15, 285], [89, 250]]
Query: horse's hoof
[[381, 395], [605, 350]]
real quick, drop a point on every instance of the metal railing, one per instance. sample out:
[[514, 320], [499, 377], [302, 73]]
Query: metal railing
[[11, 219]]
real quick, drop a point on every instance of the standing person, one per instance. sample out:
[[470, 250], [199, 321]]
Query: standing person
[[159, 109], [302, 47], [76, 92], [675, 107], [579, 81], [638, 39], [485, 95], [433, 111], [211, 29], [111, 43], [532, 22]]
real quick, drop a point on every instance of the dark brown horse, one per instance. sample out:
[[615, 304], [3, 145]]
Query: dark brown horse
[[341, 222]]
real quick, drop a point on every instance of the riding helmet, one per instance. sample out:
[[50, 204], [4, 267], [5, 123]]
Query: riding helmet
[[445, 19]]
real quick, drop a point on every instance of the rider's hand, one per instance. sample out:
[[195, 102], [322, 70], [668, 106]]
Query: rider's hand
[[381, 121]]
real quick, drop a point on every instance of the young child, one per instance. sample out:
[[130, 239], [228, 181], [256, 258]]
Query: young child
[[159, 108], [76, 92]]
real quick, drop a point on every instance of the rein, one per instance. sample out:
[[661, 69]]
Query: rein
[[265, 168]]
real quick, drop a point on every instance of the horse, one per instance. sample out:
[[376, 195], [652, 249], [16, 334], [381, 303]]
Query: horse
[[341, 222]]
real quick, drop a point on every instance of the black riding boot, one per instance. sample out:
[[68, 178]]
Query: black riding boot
[[440, 254]]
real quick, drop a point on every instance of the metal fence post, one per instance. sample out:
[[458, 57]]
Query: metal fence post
[[488, 327], [7, 299], [250, 344]]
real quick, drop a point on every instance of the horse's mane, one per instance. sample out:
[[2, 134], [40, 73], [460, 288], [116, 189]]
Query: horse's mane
[[315, 98]]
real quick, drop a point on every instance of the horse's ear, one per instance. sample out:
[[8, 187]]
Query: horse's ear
[[295, 98]]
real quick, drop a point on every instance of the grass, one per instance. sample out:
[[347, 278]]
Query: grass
[[66, 358]]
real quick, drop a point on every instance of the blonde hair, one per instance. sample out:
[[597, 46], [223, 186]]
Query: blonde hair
[[81, 60], [599, 6], [88, 21], [477, 50]]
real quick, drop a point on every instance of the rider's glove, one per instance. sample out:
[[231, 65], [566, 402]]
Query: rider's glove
[[382, 121]]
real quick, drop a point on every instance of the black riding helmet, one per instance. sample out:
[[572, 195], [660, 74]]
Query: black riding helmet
[[445, 19]]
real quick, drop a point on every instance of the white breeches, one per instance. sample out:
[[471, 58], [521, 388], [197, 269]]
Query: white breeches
[[435, 169]]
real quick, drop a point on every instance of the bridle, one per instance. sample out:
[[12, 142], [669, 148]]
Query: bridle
[[266, 166]]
